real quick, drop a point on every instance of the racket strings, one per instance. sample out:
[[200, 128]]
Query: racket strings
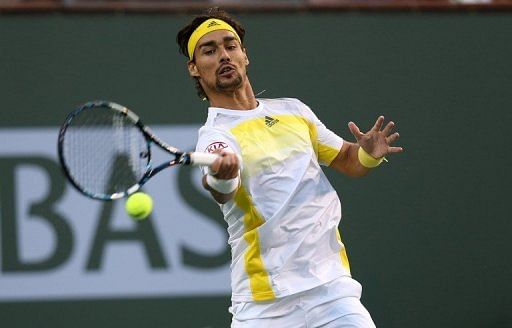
[[102, 149]]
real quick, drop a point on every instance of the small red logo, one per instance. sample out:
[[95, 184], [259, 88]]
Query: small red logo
[[218, 145]]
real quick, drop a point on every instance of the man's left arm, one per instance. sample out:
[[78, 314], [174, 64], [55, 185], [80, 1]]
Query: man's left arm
[[357, 159]]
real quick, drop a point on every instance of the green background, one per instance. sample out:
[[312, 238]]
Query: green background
[[427, 234]]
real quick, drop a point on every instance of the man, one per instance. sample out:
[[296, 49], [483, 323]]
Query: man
[[289, 265]]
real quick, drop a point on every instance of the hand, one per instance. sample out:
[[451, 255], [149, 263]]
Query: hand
[[376, 142], [226, 166]]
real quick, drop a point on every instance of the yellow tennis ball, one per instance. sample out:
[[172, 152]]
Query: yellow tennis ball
[[139, 205]]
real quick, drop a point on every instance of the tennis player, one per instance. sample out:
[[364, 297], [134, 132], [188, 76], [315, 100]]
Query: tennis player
[[289, 266]]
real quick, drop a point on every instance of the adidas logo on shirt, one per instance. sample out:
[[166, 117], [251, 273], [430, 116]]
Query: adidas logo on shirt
[[269, 121], [213, 23]]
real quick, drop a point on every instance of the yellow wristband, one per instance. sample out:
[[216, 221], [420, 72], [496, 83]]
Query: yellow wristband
[[367, 160]]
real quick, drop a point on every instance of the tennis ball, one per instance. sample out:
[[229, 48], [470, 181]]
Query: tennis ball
[[139, 205]]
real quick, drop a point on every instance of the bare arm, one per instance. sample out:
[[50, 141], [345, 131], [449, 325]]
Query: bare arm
[[347, 162], [376, 142]]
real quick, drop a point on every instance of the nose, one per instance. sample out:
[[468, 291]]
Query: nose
[[224, 55]]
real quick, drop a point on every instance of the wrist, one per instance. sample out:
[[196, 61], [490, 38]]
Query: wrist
[[224, 186], [367, 160]]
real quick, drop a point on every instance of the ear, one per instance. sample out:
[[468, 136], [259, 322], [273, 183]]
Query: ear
[[246, 58], [192, 69]]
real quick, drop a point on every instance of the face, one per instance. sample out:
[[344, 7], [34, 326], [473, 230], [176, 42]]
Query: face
[[219, 62]]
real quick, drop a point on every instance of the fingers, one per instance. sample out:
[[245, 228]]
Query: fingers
[[392, 138], [377, 139], [392, 150], [228, 166], [389, 128], [378, 123], [355, 130], [214, 168]]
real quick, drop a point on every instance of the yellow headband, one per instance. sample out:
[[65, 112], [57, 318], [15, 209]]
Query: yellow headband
[[210, 25]]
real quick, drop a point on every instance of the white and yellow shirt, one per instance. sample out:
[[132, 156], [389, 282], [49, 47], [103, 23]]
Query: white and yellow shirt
[[283, 220]]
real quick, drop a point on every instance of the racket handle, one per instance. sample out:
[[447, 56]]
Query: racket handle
[[198, 158]]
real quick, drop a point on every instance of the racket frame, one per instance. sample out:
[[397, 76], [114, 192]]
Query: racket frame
[[180, 157]]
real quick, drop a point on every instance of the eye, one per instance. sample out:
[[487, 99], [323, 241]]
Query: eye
[[209, 52], [231, 46]]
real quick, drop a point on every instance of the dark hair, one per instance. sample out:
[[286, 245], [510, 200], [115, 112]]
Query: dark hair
[[184, 35]]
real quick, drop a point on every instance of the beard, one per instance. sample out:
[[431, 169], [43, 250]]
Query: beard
[[230, 85]]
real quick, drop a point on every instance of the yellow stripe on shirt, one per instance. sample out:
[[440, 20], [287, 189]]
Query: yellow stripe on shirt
[[325, 153], [258, 277], [343, 253]]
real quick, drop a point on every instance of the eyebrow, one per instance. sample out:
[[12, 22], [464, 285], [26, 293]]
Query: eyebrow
[[212, 42]]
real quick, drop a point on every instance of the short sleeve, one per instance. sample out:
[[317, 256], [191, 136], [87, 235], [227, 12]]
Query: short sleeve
[[327, 143], [211, 139]]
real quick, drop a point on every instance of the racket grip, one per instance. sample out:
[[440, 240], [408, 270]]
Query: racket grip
[[198, 158]]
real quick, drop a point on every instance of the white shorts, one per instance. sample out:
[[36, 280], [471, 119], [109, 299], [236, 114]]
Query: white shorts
[[335, 304]]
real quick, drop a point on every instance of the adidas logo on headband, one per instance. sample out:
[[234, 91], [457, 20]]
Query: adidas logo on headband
[[213, 23]]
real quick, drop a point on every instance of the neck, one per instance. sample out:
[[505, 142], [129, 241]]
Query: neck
[[239, 99]]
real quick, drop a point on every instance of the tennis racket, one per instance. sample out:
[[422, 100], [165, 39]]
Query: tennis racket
[[105, 151]]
